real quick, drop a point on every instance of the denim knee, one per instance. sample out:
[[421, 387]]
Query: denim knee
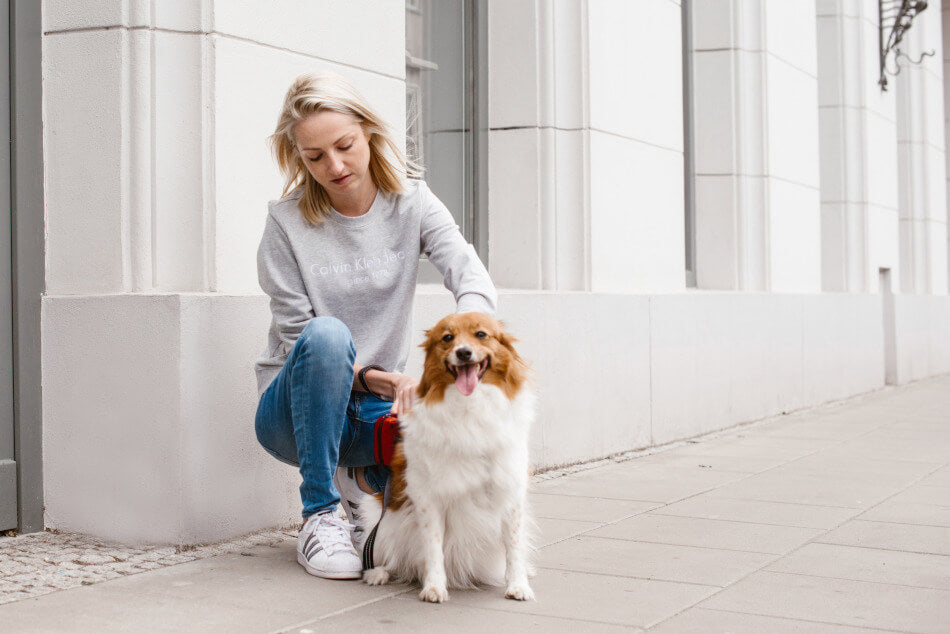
[[329, 335]]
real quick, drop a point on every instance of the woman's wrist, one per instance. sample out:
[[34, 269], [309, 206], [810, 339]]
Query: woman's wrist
[[379, 382]]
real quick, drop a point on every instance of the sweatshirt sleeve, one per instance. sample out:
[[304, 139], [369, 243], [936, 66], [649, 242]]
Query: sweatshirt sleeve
[[279, 277], [462, 272]]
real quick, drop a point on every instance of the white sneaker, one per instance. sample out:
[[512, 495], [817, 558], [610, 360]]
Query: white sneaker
[[351, 496], [324, 548]]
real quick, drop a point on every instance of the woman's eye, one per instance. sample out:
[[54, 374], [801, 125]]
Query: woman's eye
[[448, 338], [316, 158], [347, 147], [481, 334]]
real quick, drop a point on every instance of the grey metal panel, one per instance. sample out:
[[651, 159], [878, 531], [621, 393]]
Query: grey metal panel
[[689, 143], [29, 259], [8, 514], [8, 498]]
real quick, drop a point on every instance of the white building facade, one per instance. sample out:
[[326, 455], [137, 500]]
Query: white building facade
[[693, 222]]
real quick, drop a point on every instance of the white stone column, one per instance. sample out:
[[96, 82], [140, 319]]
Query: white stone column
[[538, 150], [756, 109], [921, 158], [585, 147], [858, 150], [637, 217]]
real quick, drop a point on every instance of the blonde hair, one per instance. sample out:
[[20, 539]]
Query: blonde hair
[[316, 92]]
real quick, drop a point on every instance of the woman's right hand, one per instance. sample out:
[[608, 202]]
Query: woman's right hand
[[404, 393], [399, 387]]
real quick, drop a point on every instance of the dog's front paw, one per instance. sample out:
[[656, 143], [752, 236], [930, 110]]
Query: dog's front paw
[[376, 576], [519, 591], [434, 594]]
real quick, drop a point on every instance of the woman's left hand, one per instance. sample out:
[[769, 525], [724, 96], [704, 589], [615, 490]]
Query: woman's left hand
[[404, 393]]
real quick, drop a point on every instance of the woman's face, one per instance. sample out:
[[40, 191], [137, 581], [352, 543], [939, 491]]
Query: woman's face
[[336, 152]]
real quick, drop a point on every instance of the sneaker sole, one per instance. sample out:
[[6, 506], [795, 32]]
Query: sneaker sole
[[326, 574]]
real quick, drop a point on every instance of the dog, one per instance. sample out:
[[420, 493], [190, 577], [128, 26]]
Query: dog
[[457, 514]]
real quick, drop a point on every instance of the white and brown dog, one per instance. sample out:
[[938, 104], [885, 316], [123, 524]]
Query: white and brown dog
[[457, 513]]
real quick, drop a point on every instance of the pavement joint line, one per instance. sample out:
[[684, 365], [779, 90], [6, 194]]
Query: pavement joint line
[[858, 518], [824, 506], [647, 541], [719, 519], [880, 583], [773, 616], [893, 550], [348, 608], [731, 521], [661, 579], [547, 616]]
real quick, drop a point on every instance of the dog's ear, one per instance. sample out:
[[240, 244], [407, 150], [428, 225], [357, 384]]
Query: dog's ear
[[508, 341]]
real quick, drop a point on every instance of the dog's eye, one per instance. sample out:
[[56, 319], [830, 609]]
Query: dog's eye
[[481, 334], [448, 338]]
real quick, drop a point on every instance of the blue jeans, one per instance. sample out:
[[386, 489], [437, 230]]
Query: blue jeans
[[310, 416]]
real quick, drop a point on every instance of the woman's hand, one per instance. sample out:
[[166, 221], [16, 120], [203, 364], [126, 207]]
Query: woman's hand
[[399, 387], [404, 393]]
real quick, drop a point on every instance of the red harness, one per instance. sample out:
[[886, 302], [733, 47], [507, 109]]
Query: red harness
[[385, 436]]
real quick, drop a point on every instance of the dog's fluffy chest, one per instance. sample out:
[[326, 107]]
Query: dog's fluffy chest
[[468, 446]]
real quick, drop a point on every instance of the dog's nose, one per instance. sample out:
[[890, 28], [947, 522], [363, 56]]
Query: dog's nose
[[463, 354]]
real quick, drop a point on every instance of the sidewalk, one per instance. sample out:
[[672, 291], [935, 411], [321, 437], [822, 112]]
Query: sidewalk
[[832, 520]]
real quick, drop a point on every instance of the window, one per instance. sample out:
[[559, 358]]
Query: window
[[444, 106]]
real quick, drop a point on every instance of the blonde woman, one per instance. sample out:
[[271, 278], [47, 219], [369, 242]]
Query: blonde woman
[[339, 259]]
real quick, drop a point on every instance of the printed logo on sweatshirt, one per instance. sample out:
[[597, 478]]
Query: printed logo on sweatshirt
[[362, 269]]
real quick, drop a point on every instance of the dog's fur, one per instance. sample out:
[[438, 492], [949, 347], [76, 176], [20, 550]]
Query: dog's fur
[[457, 516]]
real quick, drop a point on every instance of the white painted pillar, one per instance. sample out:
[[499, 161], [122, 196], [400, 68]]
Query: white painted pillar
[[538, 145], [585, 146], [637, 218], [757, 183], [922, 159], [128, 148], [859, 221]]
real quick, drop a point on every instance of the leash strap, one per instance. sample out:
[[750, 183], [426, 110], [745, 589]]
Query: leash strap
[[371, 539]]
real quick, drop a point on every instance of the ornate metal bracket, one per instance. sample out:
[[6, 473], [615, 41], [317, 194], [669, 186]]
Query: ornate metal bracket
[[895, 17]]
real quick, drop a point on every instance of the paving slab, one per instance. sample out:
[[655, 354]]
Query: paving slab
[[759, 511], [617, 600], [553, 531], [572, 507], [704, 621], [408, 614], [808, 488], [887, 535], [841, 601], [749, 443], [620, 557], [868, 564], [648, 483], [940, 477], [708, 533], [894, 510]]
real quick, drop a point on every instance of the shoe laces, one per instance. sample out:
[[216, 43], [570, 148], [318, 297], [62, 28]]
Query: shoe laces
[[332, 531]]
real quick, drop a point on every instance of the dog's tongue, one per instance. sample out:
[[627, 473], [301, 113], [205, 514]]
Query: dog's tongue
[[467, 378]]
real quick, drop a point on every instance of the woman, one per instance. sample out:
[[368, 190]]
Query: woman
[[339, 258]]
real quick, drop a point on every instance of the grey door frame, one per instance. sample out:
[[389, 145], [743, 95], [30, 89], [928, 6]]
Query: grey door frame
[[8, 475], [28, 261]]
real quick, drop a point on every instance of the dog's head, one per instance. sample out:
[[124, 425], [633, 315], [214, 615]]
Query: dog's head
[[465, 349]]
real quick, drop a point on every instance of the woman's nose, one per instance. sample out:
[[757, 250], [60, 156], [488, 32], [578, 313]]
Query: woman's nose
[[336, 163]]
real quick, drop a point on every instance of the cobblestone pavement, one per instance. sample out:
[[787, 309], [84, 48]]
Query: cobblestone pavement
[[39, 563]]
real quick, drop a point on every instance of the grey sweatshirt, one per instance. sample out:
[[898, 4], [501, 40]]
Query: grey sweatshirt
[[363, 272]]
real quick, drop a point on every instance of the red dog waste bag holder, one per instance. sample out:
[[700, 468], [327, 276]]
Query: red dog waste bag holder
[[385, 437]]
